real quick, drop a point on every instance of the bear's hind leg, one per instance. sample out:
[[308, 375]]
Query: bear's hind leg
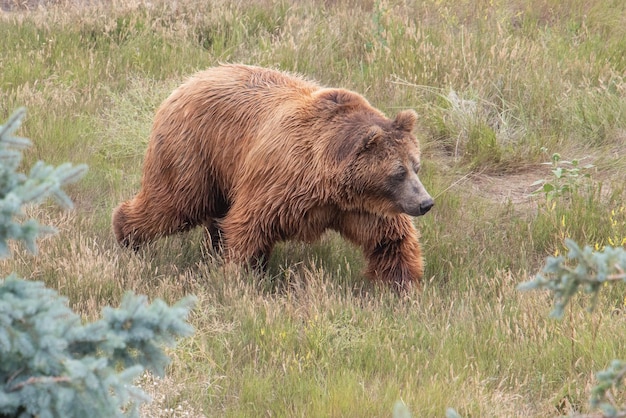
[[141, 220]]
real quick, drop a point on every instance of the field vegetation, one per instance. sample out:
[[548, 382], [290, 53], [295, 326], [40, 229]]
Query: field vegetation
[[500, 87]]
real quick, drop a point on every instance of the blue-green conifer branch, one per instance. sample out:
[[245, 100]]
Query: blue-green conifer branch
[[17, 189], [586, 270], [583, 269], [51, 364]]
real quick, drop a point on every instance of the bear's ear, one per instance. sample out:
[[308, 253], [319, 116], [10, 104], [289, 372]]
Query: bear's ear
[[372, 138], [354, 144], [405, 121], [339, 98]]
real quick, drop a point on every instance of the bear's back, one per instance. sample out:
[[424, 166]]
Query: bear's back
[[242, 82], [218, 116]]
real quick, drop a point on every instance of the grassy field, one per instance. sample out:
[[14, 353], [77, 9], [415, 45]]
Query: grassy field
[[500, 86]]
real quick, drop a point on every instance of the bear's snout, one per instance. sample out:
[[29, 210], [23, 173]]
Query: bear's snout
[[426, 205], [412, 197], [418, 207]]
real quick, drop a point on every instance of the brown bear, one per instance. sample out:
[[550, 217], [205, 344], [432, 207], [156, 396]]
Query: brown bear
[[259, 156]]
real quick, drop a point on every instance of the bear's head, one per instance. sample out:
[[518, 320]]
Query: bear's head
[[378, 159]]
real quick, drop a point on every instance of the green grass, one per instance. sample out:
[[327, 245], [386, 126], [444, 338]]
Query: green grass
[[494, 84]]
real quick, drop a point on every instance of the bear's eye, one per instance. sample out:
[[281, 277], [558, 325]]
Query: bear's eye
[[416, 168], [399, 174]]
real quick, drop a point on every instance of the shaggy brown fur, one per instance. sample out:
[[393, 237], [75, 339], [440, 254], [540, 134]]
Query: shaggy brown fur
[[258, 156]]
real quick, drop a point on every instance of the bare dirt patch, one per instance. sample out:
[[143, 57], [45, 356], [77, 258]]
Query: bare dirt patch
[[515, 188]]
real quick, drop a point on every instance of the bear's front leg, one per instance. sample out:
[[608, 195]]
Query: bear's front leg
[[398, 263], [247, 238], [390, 245]]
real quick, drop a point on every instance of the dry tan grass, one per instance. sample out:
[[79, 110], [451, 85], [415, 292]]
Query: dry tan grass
[[167, 401]]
